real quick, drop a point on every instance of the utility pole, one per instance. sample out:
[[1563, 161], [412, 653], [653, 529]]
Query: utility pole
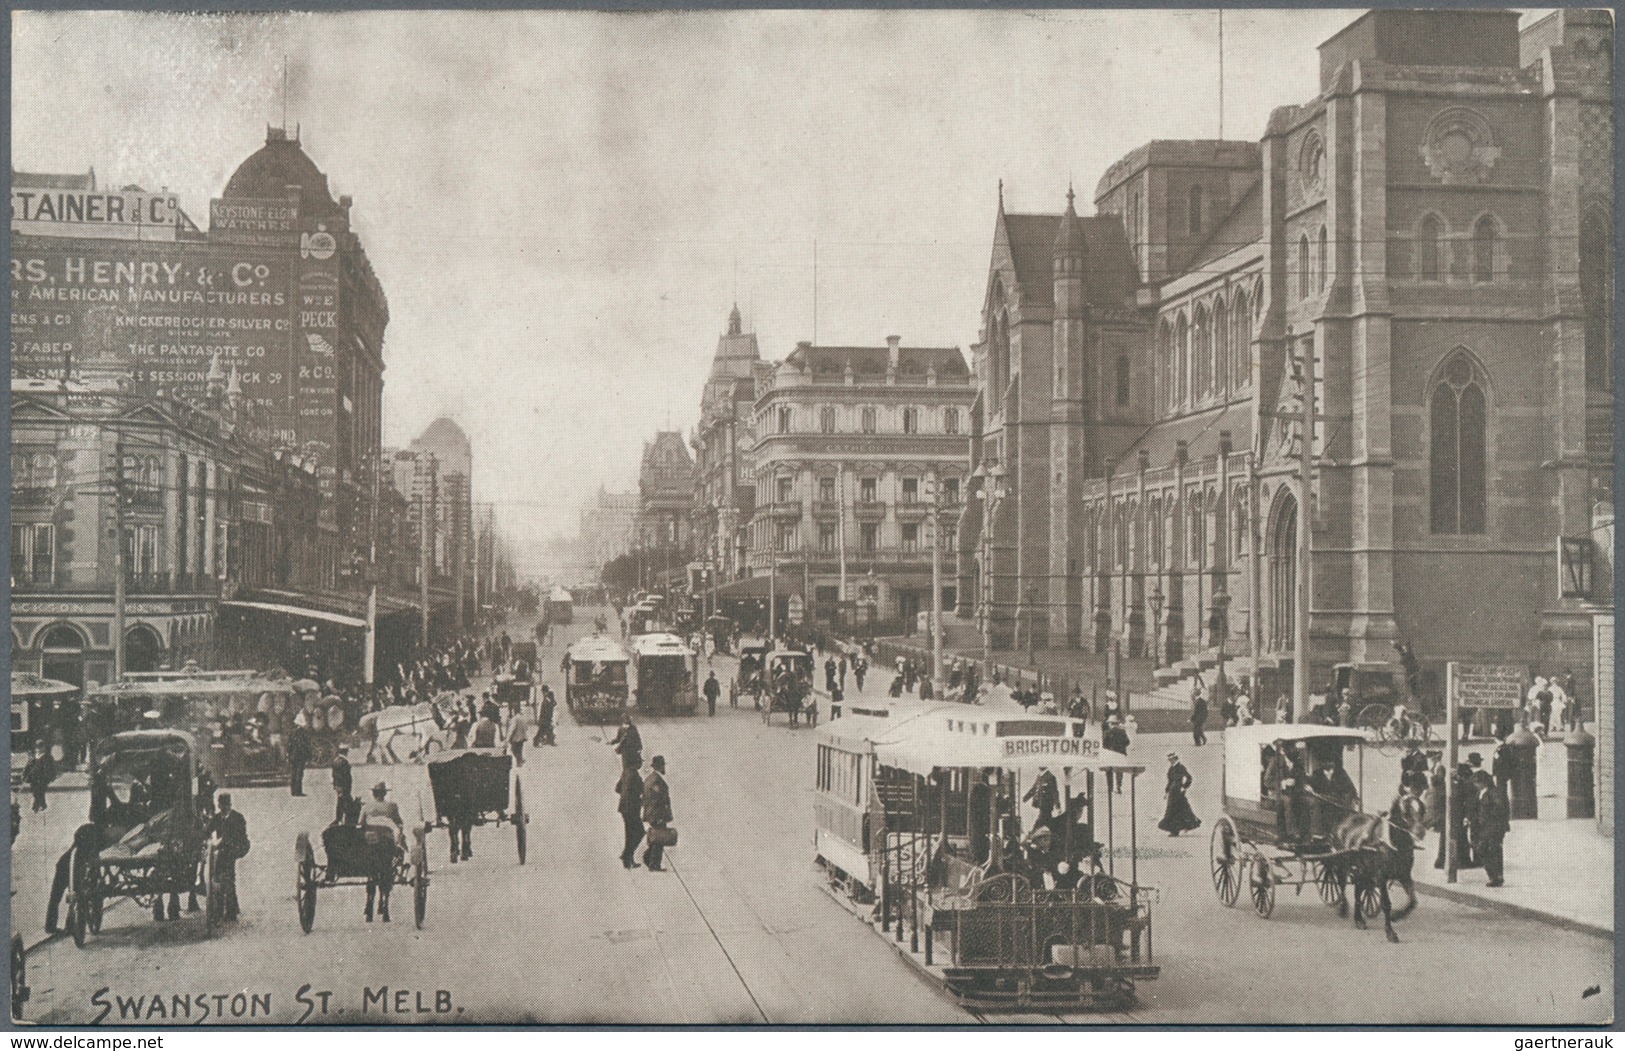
[[369, 655], [1254, 586], [773, 585], [936, 581], [1300, 611], [119, 599], [426, 542]]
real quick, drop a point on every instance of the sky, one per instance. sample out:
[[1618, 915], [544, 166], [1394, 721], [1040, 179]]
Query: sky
[[563, 207]]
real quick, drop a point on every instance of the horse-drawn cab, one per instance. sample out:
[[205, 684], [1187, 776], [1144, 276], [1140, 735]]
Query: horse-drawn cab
[[356, 855], [720, 631], [147, 836], [1288, 785], [786, 682], [1293, 816], [752, 661], [918, 809]]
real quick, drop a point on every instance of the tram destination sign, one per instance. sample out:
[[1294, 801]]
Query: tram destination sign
[[1080, 747], [1488, 685]]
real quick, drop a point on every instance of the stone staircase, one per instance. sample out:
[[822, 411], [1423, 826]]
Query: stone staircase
[[1174, 682]]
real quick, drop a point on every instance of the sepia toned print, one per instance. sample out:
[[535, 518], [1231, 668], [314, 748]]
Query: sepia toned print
[[478, 555]]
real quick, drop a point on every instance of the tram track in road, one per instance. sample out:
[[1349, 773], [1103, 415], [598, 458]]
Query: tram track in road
[[675, 871]]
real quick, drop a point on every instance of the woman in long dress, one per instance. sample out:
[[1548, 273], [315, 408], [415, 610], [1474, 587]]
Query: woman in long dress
[[1177, 815]]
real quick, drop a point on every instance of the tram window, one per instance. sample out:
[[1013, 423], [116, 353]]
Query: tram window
[[1030, 728]]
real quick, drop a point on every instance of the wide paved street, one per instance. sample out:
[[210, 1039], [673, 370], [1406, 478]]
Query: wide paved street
[[740, 931]]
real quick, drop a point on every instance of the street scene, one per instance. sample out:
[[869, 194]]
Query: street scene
[[456, 581]]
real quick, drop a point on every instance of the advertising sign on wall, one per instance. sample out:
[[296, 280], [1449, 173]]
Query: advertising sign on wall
[[268, 223], [158, 314], [132, 215]]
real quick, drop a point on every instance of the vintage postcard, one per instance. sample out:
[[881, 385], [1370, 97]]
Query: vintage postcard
[[812, 517]]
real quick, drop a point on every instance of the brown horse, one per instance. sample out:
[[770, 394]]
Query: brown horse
[[1370, 852]]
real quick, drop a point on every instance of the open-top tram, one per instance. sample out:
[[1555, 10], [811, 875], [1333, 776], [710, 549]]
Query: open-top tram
[[918, 830], [664, 671], [595, 679]]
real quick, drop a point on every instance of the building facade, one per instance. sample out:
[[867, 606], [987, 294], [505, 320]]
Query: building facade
[[666, 496], [724, 442], [207, 513], [852, 445], [1420, 252]]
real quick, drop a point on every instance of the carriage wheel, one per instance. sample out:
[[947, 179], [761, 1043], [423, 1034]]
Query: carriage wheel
[[84, 887], [1374, 717], [420, 892], [19, 977], [1225, 866], [1330, 882], [520, 818], [1261, 887], [1370, 901], [305, 882], [214, 905]]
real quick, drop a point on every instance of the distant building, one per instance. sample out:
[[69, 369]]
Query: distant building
[[849, 441], [724, 442], [1423, 249], [666, 506], [608, 529]]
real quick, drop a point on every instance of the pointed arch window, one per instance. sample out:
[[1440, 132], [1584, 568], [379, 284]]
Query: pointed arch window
[[1430, 249], [1221, 346], [1165, 365], [1484, 233], [1303, 266], [1242, 342], [1121, 384], [1320, 260], [1456, 419], [1201, 354], [1182, 344]]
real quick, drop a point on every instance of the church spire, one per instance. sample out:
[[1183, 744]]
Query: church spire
[[1001, 196], [735, 325]]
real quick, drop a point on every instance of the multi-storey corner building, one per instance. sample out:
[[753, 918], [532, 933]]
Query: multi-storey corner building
[[208, 513], [850, 442], [724, 441], [1422, 250], [273, 313]]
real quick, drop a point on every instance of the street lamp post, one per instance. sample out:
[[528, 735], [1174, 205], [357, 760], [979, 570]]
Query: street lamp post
[[1220, 627], [1156, 600]]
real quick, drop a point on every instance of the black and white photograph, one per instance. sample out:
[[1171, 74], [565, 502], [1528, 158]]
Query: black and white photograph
[[709, 518]]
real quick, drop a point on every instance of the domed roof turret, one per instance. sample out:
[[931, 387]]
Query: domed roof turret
[[281, 163]]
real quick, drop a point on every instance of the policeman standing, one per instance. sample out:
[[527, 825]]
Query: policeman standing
[[232, 830], [630, 789], [298, 754], [343, 784], [712, 690]]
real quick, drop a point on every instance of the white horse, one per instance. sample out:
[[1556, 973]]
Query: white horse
[[421, 723]]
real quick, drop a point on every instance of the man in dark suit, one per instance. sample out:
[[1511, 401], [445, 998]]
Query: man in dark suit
[[230, 826], [298, 754], [656, 811], [629, 743], [1115, 739], [630, 789], [343, 783], [1044, 795], [1490, 826]]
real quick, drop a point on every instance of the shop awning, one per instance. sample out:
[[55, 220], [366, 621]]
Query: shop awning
[[303, 612], [750, 587]]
